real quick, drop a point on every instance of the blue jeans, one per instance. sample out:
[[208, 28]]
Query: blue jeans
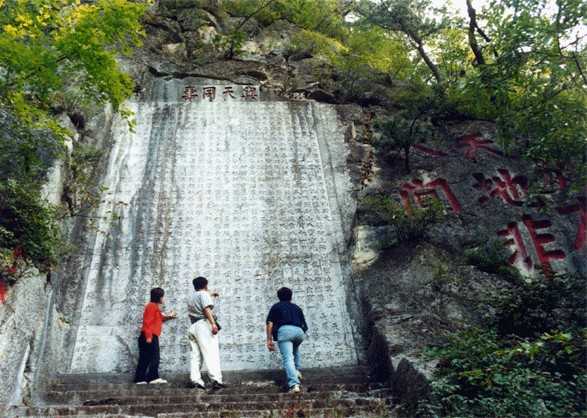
[[289, 338]]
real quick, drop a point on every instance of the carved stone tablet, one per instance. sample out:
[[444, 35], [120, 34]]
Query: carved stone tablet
[[239, 191]]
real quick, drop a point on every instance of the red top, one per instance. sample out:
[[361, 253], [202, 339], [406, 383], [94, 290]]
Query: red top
[[152, 320]]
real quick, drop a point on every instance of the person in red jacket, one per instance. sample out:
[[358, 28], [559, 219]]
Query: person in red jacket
[[148, 367]]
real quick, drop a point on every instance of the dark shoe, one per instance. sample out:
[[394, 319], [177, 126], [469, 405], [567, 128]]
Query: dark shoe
[[193, 385], [217, 385]]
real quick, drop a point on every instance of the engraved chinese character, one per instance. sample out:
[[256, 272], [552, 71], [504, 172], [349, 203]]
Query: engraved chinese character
[[228, 92], [521, 256], [473, 143], [420, 192], [510, 189], [249, 93], [189, 93], [209, 93]]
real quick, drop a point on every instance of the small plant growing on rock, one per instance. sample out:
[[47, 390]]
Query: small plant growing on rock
[[402, 133], [408, 227]]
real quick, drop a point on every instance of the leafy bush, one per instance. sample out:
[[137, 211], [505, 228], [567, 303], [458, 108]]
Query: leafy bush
[[402, 133], [409, 227], [530, 362], [55, 56], [27, 222], [540, 306], [482, 375]]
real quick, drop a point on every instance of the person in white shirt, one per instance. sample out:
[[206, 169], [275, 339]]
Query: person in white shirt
[[203, 336]]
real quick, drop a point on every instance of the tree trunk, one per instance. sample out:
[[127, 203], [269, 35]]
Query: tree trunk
[[472, 38], [407, 159], [424, 55]]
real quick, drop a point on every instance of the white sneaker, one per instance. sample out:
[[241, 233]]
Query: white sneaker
[[299, 374], [294, 389], [157, 381], [141, 383]]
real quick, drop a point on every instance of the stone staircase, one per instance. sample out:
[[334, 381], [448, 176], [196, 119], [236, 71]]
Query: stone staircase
[[339, 392]]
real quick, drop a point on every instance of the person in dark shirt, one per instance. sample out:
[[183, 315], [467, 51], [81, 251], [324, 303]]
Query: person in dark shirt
[[286, 325]]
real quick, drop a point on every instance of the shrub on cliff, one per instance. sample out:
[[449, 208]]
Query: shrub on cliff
[[483, 375]]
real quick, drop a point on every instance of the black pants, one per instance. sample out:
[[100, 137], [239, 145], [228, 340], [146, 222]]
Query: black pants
[[148, 367]]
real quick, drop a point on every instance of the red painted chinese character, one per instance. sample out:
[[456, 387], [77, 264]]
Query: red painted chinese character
[[209, 93], [581, 207], [514, 239], [473, 143], [539, 240], [228, 92], [249, 93], [3, 291], [429, 151], [189, 93], [420, 192], [511, 190]]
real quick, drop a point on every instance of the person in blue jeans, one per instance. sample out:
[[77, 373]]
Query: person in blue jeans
[[286, 325]]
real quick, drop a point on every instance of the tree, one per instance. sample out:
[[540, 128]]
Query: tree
[[398, 132], [520, 63], [55, 56], [62, 53], [413, 18]]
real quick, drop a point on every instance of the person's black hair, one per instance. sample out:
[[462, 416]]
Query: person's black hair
[[200, 283], [284, 294], [156, 294]]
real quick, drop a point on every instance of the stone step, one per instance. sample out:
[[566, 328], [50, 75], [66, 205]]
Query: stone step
[[339, 412], [253, 387], [233, 376], [187, 396], [184, 380], [296, 405]]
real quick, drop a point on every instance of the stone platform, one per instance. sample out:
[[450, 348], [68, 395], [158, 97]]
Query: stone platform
[[340, 392]]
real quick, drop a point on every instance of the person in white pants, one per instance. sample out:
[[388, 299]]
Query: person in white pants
[[203, 336]]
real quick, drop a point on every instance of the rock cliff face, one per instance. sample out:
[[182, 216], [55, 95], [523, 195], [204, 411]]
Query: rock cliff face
[[218, 182], [277, 189]]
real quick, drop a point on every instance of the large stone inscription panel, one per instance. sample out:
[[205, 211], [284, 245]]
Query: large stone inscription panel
[[234, 190]]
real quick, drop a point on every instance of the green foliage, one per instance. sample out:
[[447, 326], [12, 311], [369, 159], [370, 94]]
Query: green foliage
[[261, 10], [322, 16], [55, 56], [28, 222], [24, 153], [520, 63], [314, 18], [408, 227], [52, 52], [482, 375], [399, 133], [539, 306], [529, 362]]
